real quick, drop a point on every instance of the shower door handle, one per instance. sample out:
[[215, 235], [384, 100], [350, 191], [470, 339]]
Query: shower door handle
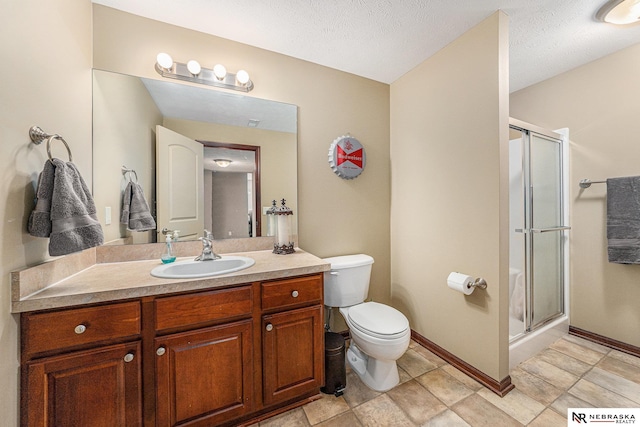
[[546, 230]]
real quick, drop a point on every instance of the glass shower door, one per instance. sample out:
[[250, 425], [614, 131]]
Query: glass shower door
[[545, 230]]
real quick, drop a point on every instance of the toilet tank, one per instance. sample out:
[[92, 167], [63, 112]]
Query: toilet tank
[[347, 283]]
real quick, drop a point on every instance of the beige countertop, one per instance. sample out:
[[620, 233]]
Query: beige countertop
[[113, 281]]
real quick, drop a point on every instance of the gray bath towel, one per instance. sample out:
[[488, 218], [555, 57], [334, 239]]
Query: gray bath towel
[[74, 223], [40, 219], [135, 209], [623, 220]]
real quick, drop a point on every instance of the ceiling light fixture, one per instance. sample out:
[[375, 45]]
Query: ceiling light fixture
[[620, 12], [223, 163], [193, 72]]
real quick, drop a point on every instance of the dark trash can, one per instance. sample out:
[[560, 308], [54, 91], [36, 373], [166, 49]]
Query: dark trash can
[[334, 364]]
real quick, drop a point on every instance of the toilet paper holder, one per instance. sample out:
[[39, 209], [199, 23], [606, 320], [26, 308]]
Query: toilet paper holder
[[479, 282]]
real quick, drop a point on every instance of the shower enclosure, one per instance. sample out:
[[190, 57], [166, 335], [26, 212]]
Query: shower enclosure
[[538, 305]]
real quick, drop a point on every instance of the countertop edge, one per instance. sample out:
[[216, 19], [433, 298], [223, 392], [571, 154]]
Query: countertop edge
[[309, 264]]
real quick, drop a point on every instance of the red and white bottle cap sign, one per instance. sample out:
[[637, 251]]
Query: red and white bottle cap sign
[[347, 157]]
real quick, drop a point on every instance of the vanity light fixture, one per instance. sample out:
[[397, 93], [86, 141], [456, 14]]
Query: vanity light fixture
[[194, 67], [193, 72], [620, 12], [223, 163], [164, 61], [219, 71]]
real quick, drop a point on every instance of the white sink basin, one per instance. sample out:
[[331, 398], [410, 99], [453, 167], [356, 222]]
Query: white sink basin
[[195, 269]]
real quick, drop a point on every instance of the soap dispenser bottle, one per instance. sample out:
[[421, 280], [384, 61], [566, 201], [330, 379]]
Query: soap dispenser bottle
[[168, 255]]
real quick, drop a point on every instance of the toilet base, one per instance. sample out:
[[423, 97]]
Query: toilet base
[[378, 375]]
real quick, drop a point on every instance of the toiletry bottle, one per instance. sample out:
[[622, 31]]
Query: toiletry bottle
[[168, 255]]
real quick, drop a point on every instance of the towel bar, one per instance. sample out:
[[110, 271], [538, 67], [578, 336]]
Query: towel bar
[[37, 135], [586, 183]]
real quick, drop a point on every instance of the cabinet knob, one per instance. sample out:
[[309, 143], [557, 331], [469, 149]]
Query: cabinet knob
[[269, 327], [160, 351], [80, 329], [128, 357], [294, 294]]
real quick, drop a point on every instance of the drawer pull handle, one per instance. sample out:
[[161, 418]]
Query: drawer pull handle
[[128, 357], [160, 351], [80, 329], [294, 294], [269, 327]]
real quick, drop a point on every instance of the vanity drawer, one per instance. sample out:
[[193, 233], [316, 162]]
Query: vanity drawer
[[292, 292], [203, 307], [45, 332]]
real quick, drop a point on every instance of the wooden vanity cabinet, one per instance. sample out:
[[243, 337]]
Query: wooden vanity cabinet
[[72, 372], [205, 358], [292, 338], [204, 376]]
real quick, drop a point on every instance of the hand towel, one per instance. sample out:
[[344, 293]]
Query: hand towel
[[623, 220], [40, 219], [74, 223], [135, 209]]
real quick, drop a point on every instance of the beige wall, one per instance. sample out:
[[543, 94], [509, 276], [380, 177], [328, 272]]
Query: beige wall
[[46, 81], [600, 104], [334, 216], [449, 133]]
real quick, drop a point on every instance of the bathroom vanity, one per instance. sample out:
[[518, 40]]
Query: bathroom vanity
[[167, 352]]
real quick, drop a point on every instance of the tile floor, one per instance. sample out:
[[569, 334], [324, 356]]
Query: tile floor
[[570, 373]]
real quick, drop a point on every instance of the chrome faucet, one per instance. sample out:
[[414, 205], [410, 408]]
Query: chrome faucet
[[207, 252]]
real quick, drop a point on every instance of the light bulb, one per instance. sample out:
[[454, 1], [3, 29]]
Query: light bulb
[[219, 71], [164, 60], [620, 12], [242, 77], [194, 67]]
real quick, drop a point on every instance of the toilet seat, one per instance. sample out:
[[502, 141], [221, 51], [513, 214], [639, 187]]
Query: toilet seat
[[378, 320]]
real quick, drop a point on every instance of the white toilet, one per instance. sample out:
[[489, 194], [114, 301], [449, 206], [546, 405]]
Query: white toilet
[[379, 334]]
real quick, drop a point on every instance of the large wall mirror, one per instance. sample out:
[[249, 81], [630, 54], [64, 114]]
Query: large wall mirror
[[249, 149]]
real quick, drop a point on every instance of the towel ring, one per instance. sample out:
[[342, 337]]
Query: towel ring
[[126, 171], [52, 137], [37, 135]]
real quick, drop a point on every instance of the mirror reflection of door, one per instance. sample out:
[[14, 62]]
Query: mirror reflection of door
[[207, 185], [179, 162], [231, 190]]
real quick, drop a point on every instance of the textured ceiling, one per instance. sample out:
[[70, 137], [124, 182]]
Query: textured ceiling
[[383, 39]]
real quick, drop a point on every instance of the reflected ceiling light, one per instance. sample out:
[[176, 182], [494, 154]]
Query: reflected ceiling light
[[194, 67], [223, 163], [193, 72], [620, 12]]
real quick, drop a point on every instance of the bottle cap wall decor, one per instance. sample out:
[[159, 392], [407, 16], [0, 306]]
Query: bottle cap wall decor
[[347, 158]]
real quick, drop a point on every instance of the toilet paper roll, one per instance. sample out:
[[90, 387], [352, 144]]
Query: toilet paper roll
[[460, 282]]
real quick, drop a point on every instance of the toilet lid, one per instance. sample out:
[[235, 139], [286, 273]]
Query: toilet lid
[[378, 319]]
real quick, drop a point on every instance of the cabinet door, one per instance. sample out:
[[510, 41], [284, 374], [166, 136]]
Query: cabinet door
[[99, 387], [293, 353], [204, 377]]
